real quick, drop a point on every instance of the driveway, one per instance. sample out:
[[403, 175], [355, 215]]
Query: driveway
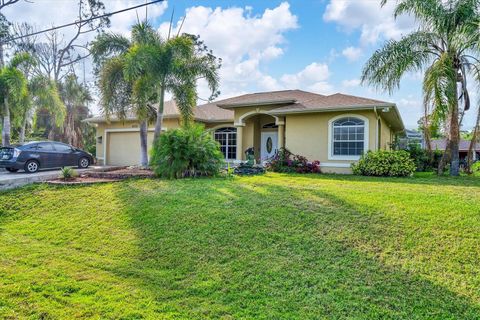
[[10, 180]]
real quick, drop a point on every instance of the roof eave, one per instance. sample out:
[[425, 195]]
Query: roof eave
[[398, 129], [255, 104]]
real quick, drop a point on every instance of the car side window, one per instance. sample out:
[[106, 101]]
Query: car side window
[[62, 147], [45, 146], [31, 147]]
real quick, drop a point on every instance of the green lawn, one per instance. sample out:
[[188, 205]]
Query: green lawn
[[265, 247]]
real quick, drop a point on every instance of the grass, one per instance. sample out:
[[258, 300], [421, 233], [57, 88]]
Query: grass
[[265, 247]]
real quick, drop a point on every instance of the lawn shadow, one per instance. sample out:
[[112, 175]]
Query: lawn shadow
[[243, 249], [418, 178]]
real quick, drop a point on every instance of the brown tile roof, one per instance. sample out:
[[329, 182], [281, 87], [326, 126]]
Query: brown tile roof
[[334, 101], [208, 112], [286, 96], [288, 101], [464, 145]]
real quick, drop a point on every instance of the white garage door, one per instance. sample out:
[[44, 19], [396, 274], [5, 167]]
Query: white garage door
[[123, 148]]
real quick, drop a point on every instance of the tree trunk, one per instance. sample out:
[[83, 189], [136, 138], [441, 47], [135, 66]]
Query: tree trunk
[[454, 140], [143, 143], [473, 142], [445, 158], [159, 121], [6, 125], [21, 138]]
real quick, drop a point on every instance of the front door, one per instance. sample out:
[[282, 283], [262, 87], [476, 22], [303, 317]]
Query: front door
[[269, 145]]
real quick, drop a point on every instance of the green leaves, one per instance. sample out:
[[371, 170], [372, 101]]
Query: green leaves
[[387, 65], [385, 164], [186, 152]]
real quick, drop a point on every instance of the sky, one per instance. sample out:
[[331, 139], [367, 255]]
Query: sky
[[314, 45]]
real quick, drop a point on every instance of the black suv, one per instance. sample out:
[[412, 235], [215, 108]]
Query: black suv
[[36, 155]]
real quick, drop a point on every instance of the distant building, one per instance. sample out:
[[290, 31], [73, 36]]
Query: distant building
[[440, 144], [411, 137]]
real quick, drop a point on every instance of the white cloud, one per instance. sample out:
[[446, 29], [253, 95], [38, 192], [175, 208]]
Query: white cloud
[[373, 22], [313, 77], [353, 83], [352, 53], [245, 42]]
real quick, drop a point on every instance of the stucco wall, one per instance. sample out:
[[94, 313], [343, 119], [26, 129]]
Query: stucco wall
[[308, 135], [128, 125], [305, 134]]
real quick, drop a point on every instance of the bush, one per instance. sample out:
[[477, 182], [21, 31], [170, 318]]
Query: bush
[[476, 168], [186, 152], [385, 163], [285, 161], [422, 159], [67, 173]]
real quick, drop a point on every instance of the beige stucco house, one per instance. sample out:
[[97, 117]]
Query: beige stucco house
[[334, 129]]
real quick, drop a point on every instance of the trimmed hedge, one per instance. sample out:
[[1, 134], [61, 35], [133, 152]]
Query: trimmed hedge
[[186, 152], [385, 164]]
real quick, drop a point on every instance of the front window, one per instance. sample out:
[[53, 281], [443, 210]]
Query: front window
[[348, 137], [227, 138]]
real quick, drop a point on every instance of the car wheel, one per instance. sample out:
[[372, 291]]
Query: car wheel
[[83, 163], [11, 169], [32, 166]]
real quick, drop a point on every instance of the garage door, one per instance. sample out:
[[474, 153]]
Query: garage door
[[123, 148]]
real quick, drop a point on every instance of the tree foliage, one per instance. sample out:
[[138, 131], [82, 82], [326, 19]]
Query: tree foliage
[[446, 49]]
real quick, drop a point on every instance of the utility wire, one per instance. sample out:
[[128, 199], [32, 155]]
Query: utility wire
[[81, 21]]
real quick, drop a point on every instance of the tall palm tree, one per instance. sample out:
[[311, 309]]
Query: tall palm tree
[[446, 48], [42, 93], [122, 92], [175, 66], [76, 98], [13, 90]]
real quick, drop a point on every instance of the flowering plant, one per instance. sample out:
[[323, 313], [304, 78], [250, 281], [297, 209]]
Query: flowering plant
[[285, 161]]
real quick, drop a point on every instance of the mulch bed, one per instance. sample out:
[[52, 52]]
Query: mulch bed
[[120, 174], [104, 176]]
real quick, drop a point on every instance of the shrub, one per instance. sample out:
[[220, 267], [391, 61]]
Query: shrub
[[476, 168], [423, 161], [67, 173], [285, 161], [385, 163], [186, 152]]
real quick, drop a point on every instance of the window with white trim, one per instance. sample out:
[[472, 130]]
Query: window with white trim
[[348, 137], [227, 138]]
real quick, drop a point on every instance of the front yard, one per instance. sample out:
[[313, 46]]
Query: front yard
[[271, 247]]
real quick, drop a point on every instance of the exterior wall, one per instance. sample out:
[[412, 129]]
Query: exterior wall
[[308, 135], [305, 134], [125, 126], [386, 136]]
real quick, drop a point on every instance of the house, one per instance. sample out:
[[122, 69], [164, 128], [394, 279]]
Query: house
[[334, 129], [463, 147], [411, 137]]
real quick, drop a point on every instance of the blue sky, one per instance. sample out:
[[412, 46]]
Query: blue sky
[[314, 45]]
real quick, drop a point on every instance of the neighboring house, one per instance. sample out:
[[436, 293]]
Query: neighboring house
[[441, 144], [335, 129], [411, 137]]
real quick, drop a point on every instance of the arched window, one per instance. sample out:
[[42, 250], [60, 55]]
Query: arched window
[[227, 137], [348, 138]]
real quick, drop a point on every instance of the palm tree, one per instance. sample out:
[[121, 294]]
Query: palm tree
[[13, 90], [122, 92], [42, 93], [76, 98], [175, 66], [446, 48]]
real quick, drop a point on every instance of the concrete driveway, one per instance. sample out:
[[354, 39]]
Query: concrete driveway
[[10, 180]]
